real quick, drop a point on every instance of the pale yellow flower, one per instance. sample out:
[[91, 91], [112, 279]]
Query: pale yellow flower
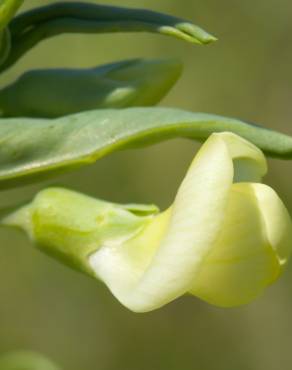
[[224, 239]]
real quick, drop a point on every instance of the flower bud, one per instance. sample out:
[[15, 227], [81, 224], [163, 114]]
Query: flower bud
[[224, 239]]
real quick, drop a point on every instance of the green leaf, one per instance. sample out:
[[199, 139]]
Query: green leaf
[[24, 360], [7, 10], [5, 44], [31, 27], [58, 92], [32, 149]]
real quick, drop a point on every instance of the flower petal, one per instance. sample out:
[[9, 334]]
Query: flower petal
[[194, 223], [244, 261], [276, 219]]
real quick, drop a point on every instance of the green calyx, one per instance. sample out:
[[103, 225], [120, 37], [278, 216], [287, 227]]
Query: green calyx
[[70, 226]]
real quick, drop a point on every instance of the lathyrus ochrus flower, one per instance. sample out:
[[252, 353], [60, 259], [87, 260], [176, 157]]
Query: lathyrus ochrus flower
[[224, 239]]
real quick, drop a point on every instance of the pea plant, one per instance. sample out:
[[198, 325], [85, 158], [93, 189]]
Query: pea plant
[[225, 237]]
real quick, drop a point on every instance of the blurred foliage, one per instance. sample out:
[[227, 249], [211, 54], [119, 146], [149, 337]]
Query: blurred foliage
[[49, 308], [25, 360]]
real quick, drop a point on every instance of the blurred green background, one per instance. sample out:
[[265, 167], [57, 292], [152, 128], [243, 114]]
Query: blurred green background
[[74, 320]]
